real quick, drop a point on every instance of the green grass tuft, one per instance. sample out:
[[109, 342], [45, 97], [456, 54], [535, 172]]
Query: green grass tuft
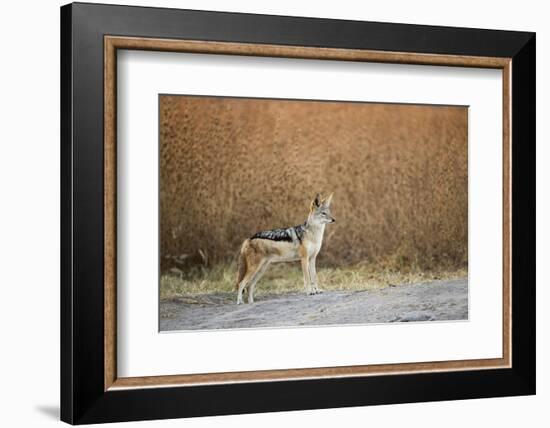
[[287, 277]]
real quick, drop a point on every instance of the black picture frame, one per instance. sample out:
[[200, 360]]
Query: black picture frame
[[83, 399]]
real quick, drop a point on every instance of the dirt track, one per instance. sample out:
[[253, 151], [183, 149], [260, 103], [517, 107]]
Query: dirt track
[[433, 301]]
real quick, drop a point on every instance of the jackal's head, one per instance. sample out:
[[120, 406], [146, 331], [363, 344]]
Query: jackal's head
[[319, 211]]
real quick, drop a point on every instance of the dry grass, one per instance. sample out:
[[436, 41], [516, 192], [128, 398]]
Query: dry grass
[[232, 167], [283, 278]]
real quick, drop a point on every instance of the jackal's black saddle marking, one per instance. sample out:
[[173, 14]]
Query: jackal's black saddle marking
[[288, 234]]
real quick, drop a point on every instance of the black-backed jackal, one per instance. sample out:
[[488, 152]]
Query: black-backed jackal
[[301, 242]]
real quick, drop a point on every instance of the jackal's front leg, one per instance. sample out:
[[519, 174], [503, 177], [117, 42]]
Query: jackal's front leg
[[313, 276], [307, 279]]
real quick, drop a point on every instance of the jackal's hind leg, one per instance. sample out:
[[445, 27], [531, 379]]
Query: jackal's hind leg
[[248, 279], [255, 278], [242, 285]]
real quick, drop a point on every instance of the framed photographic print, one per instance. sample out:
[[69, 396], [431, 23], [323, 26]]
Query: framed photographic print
[[265, 213]]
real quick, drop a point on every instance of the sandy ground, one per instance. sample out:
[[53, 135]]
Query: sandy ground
[[432, 301]]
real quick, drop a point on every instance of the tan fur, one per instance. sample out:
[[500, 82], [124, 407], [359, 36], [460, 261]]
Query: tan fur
[[241, 264], [258, 253]]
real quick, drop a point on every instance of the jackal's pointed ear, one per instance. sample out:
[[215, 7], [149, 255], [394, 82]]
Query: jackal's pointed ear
[[317, 201], [328, 200]]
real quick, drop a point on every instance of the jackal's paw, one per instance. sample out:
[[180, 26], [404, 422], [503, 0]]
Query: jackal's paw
[[318, 291], [310, 292]]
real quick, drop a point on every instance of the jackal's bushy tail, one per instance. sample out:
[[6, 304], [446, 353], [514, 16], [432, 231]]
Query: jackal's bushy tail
[[241, 265]]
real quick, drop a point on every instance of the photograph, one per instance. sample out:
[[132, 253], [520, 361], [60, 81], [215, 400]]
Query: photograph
[[295, 213], [272, 211]]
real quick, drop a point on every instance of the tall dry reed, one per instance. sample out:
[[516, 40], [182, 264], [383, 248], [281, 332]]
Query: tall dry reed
[[231, 167]]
